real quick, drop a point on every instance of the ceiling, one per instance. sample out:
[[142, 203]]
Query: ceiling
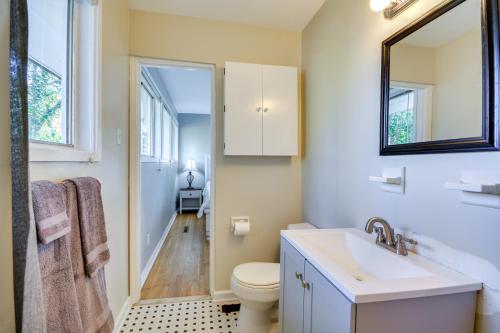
[[463, 19], [285, 14], [189, 89]]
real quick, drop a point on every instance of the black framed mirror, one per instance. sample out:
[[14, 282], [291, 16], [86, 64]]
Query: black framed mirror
[[440, 82]]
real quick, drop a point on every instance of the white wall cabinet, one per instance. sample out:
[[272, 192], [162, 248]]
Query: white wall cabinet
[[260, 110]]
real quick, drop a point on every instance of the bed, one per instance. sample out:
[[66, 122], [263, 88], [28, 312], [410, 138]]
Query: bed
[[205, 206]]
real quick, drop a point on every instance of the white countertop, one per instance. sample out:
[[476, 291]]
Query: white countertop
[[365, 272]]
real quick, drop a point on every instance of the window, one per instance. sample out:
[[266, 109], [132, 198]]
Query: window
[[63, 106], [159, 132], [175, 142], [49, 69], [402, 116], [147, 122], [166, 146], [410, 112]]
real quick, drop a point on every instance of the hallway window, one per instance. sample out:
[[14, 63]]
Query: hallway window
[[63, 80], [166, 147], [147, 122]]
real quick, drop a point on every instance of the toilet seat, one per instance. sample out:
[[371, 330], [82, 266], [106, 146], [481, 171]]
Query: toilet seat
[[258, 275]]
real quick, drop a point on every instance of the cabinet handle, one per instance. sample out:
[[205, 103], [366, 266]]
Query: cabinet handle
[[298, 276], [259, 109], [266, 109], [306, 285]]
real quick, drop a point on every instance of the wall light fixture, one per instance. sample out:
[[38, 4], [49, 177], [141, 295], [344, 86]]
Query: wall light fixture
[[391, 8]]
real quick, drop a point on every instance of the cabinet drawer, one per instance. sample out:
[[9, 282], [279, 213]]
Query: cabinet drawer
[[191, 194]]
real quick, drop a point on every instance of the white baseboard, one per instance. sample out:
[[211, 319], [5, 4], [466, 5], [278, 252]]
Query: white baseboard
[[122, 315], [154, 255], [223, 296]]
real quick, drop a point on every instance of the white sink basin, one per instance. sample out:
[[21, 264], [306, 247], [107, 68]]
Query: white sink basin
[[366, 272]]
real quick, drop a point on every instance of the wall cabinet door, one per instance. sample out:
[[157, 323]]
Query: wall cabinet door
[[243, 109], [280, 103], [261, 110], [292, 293], [326, 310]]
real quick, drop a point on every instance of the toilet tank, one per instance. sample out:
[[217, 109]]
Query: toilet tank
[[300, 226]]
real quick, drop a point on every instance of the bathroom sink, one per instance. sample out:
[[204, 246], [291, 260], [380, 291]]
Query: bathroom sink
[[365, 272]]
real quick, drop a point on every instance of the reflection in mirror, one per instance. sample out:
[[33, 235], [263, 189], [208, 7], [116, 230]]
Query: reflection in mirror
[[436, 79]]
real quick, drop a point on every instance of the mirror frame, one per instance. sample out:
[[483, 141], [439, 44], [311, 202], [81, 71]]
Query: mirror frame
[[490, 139]]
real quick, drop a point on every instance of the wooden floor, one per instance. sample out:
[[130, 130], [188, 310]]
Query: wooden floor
[[181, 269]]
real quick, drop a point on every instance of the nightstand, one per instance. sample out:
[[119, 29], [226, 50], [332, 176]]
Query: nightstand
[[190, 199]]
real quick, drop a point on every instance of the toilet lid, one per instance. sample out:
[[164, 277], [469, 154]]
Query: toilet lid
[[258, 274]]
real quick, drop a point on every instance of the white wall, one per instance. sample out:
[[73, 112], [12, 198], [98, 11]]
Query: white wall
[[341, 62], [458, 92], [158, 196], [194, 143], [7, 322], [113, 169]]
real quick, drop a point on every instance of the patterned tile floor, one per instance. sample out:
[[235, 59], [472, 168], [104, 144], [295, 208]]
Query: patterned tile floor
[[180, 317]]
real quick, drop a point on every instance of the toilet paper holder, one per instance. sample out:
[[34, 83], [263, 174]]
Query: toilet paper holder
[[240, 220]]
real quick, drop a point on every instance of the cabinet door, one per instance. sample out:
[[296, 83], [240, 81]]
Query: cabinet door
[[243, 109], [280, 102], [292, 293], [326, 310]]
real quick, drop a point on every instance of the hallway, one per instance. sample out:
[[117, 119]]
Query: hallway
[[181, 269]]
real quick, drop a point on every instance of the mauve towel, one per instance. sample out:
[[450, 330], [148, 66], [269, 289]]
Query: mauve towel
[[62, 312], [49, 210], [92, 225], [93, 303]]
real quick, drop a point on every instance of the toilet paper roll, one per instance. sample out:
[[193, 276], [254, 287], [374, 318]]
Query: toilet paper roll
[[241, 228]]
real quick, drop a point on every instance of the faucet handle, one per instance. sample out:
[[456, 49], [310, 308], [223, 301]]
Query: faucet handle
[[401, 244]]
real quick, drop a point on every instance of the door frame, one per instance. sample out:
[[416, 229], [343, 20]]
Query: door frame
[[136, 64]]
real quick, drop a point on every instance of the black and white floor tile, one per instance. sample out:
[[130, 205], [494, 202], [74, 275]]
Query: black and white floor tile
[[180, 317]]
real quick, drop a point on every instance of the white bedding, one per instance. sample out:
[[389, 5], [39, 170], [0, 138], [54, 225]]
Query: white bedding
[[205, 206]]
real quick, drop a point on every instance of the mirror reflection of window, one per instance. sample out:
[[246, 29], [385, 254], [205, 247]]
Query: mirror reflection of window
[[436, 79]]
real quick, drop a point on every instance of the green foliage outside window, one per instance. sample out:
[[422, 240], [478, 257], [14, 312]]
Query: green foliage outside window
[[401, 126], [44, 104]]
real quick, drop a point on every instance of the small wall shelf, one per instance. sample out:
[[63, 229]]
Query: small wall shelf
[[386, 180], [392, 180], [475, 188], [478, 187]]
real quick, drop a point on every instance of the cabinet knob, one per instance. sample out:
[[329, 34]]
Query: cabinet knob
[[306, 285], [266, 109], [298, 275], [259, 109]]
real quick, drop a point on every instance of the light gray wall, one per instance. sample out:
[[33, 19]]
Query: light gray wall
[[194, 143], [341, 63], [158, 195]]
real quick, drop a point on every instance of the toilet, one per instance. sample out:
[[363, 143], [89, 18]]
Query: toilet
[[257, 286]]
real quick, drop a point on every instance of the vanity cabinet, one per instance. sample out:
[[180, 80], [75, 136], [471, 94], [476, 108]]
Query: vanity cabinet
[[260, 110], [310, 303]]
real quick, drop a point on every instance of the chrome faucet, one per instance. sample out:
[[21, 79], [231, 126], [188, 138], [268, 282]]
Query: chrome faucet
[[385, 236]]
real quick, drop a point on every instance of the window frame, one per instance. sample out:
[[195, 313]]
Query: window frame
[[85, 137]]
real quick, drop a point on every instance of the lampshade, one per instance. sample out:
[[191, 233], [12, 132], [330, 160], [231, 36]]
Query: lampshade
[[190, 165], [379, 5]]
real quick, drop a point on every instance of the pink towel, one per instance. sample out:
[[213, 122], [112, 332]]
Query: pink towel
[[49, 210], [62, 312], [93, 303], [92, 225]]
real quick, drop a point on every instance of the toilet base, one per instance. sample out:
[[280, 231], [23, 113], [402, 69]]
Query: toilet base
[[254, 317]]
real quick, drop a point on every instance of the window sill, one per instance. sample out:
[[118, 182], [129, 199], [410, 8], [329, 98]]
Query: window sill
[[54, 153]]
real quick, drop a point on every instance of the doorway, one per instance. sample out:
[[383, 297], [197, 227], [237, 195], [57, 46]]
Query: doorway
[[172, 179]]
